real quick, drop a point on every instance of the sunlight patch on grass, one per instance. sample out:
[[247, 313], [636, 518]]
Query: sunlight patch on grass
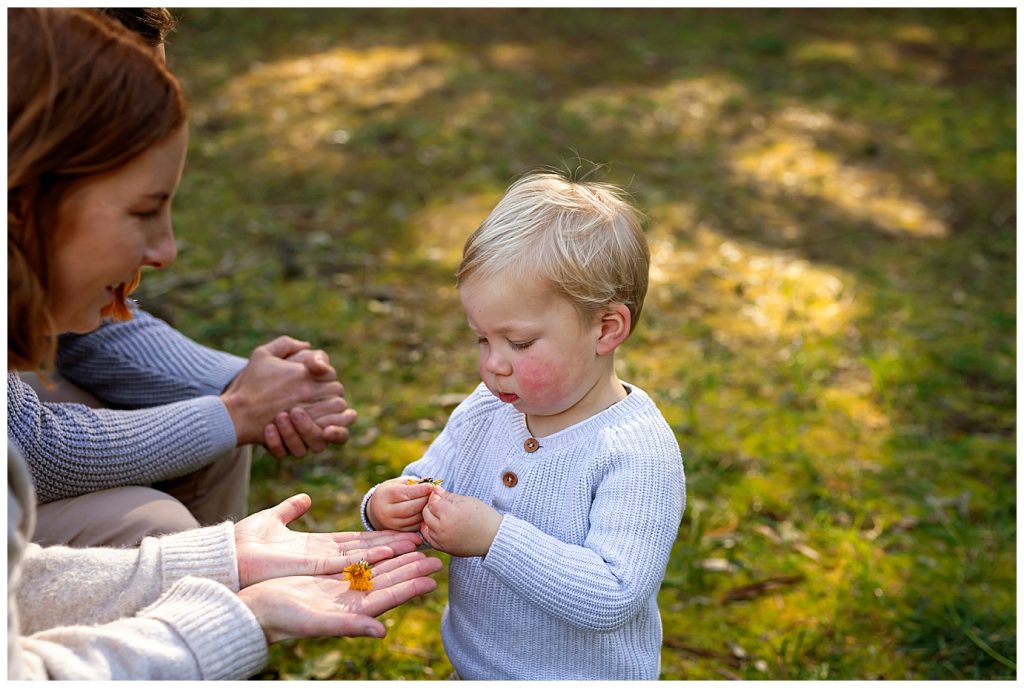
[[311, 105], [511, 55], [682, 107], [448, 225], [778, 296], [382, 75], [915, 33], [790, 163], [858, 407], [830, 51], [751, 291], [870, 54]]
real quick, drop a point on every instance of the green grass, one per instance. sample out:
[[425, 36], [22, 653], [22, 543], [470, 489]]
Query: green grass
[[830, 328]]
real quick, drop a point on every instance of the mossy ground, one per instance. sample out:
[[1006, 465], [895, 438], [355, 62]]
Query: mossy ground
[[830, 328]]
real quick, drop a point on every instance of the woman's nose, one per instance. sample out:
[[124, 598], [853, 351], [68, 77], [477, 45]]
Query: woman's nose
[[162, 250]]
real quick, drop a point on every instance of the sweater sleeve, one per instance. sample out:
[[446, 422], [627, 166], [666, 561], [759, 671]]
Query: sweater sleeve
[[197, 630], [144, 362], [70, 586], [63, 605], [72, 449], [432, 464], [599, 586]]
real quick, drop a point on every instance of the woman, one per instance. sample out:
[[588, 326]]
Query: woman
[[96, 123], [174, 451]]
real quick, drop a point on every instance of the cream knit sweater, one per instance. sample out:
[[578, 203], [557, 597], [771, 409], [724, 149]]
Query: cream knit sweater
[[164, 610], [569, 587]]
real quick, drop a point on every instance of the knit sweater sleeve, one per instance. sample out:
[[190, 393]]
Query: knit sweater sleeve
[[72, 449], [144, 362], [601, 585], [70, 586], [433, 464], [75, 614], [197, 630]]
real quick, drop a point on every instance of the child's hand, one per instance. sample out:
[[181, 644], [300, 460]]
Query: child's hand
[[397, 506], [459, 525]]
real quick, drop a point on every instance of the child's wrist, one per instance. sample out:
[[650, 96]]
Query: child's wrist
[[493, 526], [368, 521]]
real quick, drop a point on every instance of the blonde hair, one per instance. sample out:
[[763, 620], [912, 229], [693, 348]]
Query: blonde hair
[[584, 238]]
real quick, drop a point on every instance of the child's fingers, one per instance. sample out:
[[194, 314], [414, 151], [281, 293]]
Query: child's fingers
[[407, 523], [416, 491], [429, 537], [430, 519], [404, 509]]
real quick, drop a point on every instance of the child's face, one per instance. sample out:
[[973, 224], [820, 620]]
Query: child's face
[[535, 353]]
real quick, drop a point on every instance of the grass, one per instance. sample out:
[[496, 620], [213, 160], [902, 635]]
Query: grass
[[830, 329]]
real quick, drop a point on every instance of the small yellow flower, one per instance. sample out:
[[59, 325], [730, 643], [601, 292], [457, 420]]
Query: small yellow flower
[[420, 481], [359, 575]]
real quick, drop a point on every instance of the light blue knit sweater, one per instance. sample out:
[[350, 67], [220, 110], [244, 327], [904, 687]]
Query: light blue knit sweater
[[179, 424], [569, 587]]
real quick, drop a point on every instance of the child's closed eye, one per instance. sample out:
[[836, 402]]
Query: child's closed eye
[[519, 346]]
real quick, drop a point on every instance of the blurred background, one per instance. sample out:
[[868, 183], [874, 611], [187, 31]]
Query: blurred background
[[830, 328]]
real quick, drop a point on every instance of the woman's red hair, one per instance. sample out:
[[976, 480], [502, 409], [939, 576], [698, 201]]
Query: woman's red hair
[[85, 96]]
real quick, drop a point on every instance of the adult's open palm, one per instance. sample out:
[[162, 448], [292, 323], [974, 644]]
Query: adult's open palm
[[316, 606], [267, 549]]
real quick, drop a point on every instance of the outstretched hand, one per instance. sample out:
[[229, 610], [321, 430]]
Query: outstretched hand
[[267, 549], [313, 606]]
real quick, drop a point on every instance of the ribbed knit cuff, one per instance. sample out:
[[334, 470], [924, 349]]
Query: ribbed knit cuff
[[203, 553], [226, 369], [504, 558], [362, 509], [218, 628], [221, 435]]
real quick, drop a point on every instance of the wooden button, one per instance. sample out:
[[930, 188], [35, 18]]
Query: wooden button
[[531, 445], [510, 479]]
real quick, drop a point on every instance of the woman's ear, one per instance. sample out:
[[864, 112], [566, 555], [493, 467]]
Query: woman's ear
[[614, 328]]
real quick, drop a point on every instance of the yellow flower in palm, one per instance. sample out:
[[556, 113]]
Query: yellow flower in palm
[[359, 575]]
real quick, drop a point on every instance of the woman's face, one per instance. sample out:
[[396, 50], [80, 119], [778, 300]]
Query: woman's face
[[110, 225]]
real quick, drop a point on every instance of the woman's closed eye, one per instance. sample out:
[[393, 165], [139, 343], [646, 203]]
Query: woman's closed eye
[[148, 213]]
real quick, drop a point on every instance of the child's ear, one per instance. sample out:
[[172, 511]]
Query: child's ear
[[614, 328]]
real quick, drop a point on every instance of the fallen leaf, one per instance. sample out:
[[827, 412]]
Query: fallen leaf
[[702, 652], [768, 532], [807, 551], [367, 438], [763, 587], [453, 399], [720, 565]]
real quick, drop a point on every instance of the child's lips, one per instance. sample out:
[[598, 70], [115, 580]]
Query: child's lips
[[508, 398]]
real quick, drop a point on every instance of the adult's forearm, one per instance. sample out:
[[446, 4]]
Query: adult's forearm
[[144, 362], [71, 449], [67, 586], [197, 630]]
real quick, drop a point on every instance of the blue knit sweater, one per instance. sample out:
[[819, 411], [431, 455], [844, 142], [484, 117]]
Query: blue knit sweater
[[569, 587], [178, 424]]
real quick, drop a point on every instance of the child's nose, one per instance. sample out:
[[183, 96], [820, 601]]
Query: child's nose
[[496, 364]]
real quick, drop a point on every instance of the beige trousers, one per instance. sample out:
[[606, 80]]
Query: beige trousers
[[122, 516]]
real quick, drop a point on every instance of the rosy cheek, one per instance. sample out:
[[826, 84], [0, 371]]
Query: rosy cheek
[[539, 381]]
